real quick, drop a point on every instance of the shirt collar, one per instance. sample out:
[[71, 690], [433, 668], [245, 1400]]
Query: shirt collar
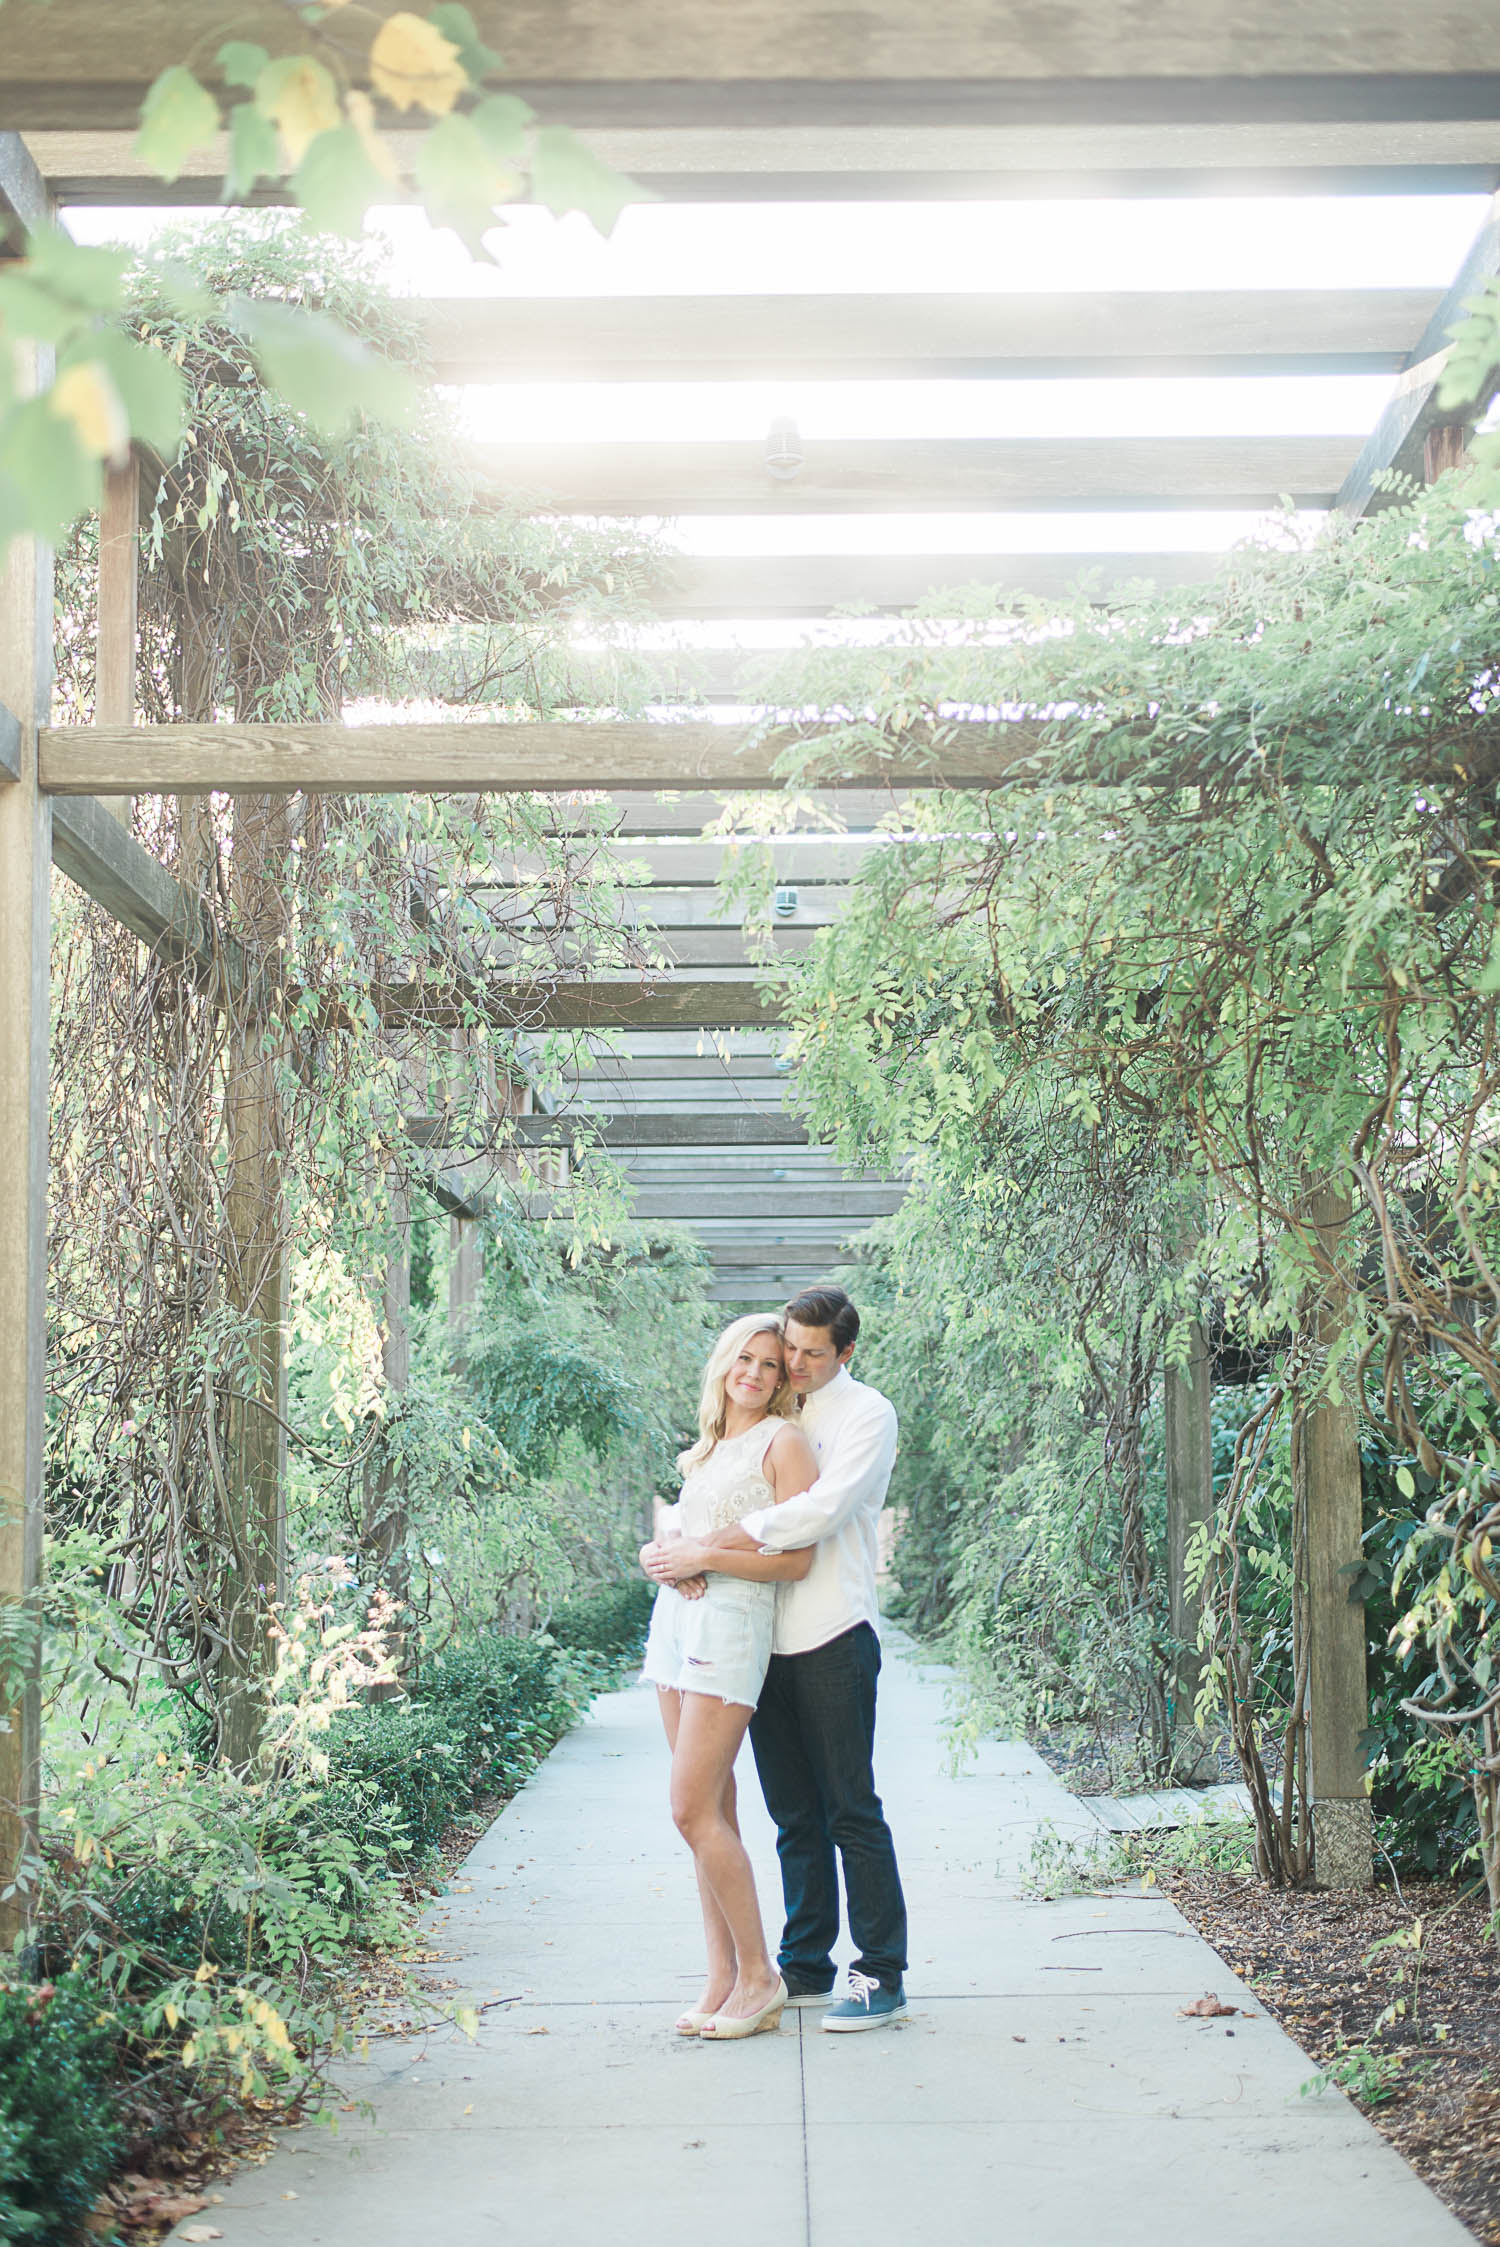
[[832, 1392]]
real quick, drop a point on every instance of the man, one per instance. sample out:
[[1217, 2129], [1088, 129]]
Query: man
[[814, 1732]]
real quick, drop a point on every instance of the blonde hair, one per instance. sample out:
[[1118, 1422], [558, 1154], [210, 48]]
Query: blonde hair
[[713, 1406]]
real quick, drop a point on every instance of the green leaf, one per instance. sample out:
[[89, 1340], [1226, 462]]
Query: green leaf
[[503, 120], [319, 368], [459, 29], [254, 150], [49, 479], [460, 180], [30, 308], [567, 176], [150, 384], [177, 116], [336, 182], [241, 62], [88, 278]]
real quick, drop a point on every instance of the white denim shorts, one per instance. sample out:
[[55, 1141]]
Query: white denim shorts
[[720, 1644]]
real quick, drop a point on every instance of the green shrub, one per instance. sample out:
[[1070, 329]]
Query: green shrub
[[58, 2134], [475, 1723], [612, 1621]]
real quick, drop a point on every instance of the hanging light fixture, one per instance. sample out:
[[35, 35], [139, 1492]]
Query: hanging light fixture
[[784, 455]]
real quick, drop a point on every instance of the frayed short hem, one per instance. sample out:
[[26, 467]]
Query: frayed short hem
[[672, 1685]]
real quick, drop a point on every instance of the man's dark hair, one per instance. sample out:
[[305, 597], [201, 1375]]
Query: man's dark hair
[[830, 1307]]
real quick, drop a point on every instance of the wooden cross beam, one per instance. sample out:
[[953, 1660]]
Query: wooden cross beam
[[738, 1128], [1399, 443], [499, 756], [860, 475]]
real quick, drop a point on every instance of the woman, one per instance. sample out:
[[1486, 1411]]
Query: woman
[[708, 1651]]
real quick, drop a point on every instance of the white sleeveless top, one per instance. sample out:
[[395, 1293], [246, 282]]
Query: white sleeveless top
[[730, 1482]]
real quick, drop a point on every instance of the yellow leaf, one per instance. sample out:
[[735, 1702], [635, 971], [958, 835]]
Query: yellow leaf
[[300, 98], [86, 396], [362, 117], [170, 2015], [413, 65]]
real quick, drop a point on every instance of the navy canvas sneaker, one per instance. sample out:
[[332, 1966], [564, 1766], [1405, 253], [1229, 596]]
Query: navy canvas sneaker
[[866, 2004]]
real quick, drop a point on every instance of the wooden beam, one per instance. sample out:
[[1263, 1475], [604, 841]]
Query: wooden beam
[[863, 163], [1189, 1478], [390, 759], [634, 812], [739, 1129], [882, 62], [1331, 1493], [465, 1280], [605, 1003], [990, 335], [24, 197], [93, 850], [711, 587], [255, 1269], [25, 879], [813, 1254], [853, 1204], [114, 672], [891, 475], [1397, 444]]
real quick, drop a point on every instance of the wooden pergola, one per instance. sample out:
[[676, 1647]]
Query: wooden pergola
[[761, 100]]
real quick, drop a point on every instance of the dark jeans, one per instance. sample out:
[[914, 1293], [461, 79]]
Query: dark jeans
[[814, 1741]]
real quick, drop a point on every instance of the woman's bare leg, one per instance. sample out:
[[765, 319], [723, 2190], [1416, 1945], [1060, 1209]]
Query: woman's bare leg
[[718, 1940], [709, 1733]]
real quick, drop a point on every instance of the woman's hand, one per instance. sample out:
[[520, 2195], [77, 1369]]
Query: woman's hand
[[672, 1562], [691, 1587]]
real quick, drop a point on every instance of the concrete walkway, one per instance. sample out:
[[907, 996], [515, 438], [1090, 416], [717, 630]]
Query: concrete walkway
[[1042, 2094]]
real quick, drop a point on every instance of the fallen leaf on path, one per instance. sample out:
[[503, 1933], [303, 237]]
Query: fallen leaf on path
[[1207, 2008], [196, 2233], [538, 2032]]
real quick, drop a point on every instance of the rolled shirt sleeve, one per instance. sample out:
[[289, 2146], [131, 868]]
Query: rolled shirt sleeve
[[859, 1474]]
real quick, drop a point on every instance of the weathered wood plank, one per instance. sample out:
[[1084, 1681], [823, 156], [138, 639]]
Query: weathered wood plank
[[711, 587], [805, 861], [832, 1206], [632, 812], [774, 62], [892, 475], [614, 1131], [986, 334], [119, 574], [109, 865], [863, 163], [10, 744], [25, 888], [603, 1003], [1330, 1475], [1397, 443], [24, 195], [197, 760]]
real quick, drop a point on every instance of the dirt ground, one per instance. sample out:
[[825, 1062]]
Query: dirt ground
[[1412, 2029]]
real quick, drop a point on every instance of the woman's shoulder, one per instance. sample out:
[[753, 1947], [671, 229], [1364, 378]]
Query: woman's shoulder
[[786, 1436]]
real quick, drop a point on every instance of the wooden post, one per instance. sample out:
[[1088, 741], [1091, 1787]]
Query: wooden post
[[465, 1275], [385, 1518], [1190, 1502], [1337, 1692], [25, 877], [1443, 448], [255, 1284], [114, 665]]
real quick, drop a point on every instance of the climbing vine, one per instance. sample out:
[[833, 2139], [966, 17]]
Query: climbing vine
[[1225, 940]]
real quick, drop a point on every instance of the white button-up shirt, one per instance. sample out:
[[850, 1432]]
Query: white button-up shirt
[[852, 1430]]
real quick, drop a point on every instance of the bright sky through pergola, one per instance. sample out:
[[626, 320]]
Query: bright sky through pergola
[[1330, 243]]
